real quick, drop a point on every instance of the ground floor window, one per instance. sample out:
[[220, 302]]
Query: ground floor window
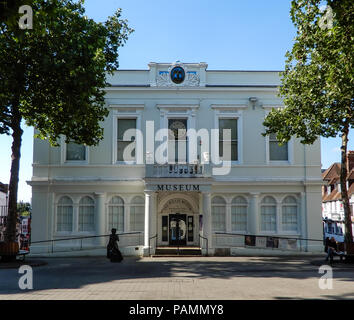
[[65, 214], [218, 214], [268, 214], [239, 214], [289, 214], [75, 216], [137, 214], [116, 214], [86, 214]]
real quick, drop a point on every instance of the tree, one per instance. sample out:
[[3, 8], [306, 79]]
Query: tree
[[318, 82], [52, 78]]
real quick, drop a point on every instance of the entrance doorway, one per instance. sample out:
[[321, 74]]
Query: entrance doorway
[[177, 229]]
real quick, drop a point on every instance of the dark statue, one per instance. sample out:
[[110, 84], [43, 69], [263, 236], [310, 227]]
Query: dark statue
[[113, 252]]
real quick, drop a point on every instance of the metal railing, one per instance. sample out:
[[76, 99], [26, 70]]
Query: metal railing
[[253, 237], [155, 236], [207, 243], [52, 241], [177, 170]]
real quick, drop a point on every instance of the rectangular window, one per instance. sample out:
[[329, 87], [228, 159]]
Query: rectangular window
[[123, 142], [277, 152], [75, 152], [228, 124], [177, 141]]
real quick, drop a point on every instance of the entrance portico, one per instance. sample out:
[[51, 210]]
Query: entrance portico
[[176, 213]]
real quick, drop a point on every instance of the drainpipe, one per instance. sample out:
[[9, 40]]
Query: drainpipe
[[305, 235]]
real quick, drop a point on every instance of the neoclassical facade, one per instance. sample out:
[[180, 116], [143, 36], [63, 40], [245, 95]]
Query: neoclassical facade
[[162, 187]]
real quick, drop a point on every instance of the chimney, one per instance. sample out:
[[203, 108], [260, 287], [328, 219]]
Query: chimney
[[350, 160]]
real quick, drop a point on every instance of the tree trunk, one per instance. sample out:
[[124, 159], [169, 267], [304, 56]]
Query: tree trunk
[[10, 233], [344, 191]]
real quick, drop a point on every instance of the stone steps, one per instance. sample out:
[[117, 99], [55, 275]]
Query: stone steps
[[177, 251]]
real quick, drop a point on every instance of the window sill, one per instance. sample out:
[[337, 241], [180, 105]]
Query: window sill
[[128, 163], [279, 163], [74, 162]]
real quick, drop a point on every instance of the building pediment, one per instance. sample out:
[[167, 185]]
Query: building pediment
[[177, 74]]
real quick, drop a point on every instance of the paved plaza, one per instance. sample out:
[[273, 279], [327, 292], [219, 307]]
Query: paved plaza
[[198, 278]]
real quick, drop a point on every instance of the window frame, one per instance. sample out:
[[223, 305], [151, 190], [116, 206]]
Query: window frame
[[224, 205], [276, 215], [269, 141], [230, 112], [127, 112], [141, 205], [123, 205], [64, 161], [177, 111], [290, 161], [72, 205], [243, 205], [294, 204], [92, 205]]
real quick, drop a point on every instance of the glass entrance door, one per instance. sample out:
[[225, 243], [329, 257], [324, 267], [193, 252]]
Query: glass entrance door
[[177, 229]]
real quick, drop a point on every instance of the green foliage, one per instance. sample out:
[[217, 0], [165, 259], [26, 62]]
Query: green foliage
[[23, 208], [54, 74], [318, 81]]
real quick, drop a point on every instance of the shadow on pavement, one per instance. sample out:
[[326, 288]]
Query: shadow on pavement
[[74, 273]]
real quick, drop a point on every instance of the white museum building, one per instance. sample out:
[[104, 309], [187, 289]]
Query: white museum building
[[167, 188]]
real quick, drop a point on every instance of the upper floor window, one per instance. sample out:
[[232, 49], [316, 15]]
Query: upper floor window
[[277, 152], [75, 152], [126, 145], [177, 141], [228, 124]]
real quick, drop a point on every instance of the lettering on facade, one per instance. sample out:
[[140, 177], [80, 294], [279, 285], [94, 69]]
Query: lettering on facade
[[178, 187]]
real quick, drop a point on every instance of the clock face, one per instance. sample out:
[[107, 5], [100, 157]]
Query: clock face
[[177, 75], [178, 128]]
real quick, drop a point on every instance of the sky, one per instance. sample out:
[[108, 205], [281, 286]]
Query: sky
[[226, 34]]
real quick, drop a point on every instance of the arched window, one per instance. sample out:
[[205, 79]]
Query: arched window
[[116, 214], [268, 214], [239, 214], [65, 214], [86, 214], [137, 214], [218, 214], [289, 214]]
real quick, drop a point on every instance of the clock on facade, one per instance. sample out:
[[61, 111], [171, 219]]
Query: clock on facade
[[178, 128], [177, 75]]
